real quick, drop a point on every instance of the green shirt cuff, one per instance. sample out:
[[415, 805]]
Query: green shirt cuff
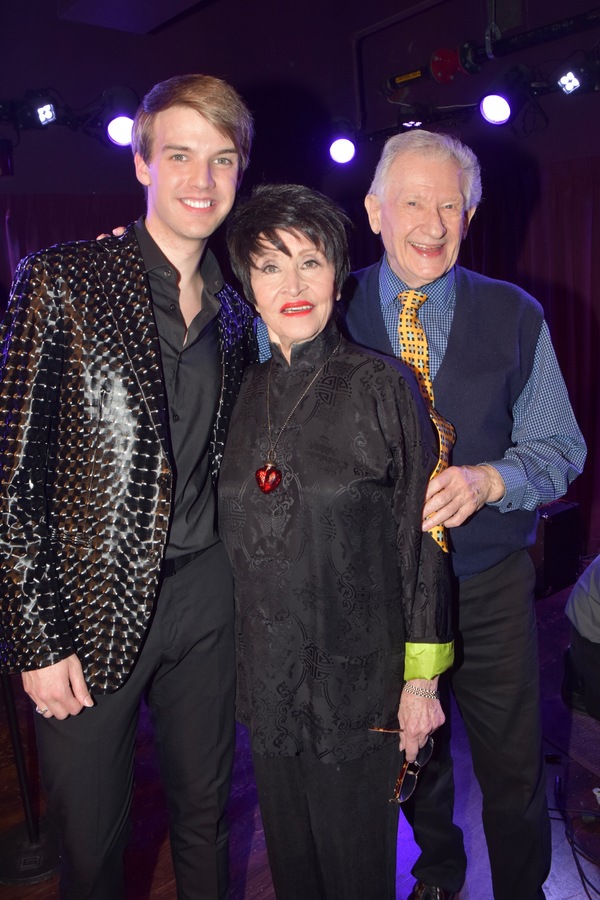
[[427, 660]]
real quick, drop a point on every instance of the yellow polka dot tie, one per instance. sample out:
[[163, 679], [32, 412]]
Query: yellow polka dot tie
[[415, 353]]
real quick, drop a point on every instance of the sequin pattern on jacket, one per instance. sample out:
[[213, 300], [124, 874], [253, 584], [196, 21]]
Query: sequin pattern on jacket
[[86, 480]]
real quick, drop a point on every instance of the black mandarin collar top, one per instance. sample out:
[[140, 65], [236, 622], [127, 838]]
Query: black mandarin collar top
[[308, 354]]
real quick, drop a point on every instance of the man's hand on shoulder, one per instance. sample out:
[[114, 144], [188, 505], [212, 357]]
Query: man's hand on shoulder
[[58, 690], [458, 492], [117, 232]]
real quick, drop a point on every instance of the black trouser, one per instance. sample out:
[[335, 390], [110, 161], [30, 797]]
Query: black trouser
[[329, 828], [187, 669], [496, 685]]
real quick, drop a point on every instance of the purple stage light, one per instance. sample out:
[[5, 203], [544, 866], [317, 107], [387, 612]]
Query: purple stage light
[[495, 109], [342, 150], [119, 130]]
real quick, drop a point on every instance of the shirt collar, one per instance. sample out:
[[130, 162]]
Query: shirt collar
[[311, 353], [440, 292], [155, 259]]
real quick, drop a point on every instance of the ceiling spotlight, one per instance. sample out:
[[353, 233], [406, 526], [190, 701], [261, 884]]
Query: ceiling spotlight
[[505, 99], [119, 106], [119, 130], [342, 150], [495, 109], [46, 113], [569, 83], [37, 109]]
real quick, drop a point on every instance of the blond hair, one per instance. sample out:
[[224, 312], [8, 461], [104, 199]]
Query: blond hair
[[212, 98]]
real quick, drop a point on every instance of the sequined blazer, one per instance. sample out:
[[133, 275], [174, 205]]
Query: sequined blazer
[[86, 480]]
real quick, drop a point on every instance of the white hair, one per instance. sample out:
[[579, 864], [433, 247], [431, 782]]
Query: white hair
[[432, 145]]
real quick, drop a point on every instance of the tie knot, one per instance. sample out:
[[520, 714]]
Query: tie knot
[[412, 299]]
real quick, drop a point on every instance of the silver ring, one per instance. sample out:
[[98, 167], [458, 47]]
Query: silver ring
[[41, 711]]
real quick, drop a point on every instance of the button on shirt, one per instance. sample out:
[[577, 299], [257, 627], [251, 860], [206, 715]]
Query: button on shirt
[[191, 366]]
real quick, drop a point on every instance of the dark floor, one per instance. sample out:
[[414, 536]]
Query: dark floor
[[572, 743]]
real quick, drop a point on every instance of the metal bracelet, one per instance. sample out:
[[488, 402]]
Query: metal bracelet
[[421, 692]]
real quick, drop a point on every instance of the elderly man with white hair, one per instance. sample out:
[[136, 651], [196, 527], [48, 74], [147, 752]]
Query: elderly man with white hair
[[496, 380]]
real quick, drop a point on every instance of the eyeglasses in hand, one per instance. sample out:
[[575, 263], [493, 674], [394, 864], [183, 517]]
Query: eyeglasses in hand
[[409, 773]]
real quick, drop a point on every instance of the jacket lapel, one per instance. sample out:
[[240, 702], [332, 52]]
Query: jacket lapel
[[123, 282]]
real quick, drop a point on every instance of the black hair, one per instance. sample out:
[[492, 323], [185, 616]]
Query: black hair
[[299, 210]]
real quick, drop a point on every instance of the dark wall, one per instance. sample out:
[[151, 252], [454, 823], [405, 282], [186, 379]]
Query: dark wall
[[299, 71]]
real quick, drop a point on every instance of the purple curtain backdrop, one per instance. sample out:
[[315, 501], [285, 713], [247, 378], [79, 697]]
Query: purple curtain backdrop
[[29, 222], [539, 230]]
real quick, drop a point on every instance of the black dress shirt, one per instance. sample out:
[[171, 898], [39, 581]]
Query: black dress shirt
[[191, 368]]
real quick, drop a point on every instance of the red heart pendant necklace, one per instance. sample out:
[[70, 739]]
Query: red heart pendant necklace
[[268, 477]]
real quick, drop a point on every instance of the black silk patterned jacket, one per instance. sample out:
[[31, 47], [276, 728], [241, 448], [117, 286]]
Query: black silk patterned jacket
[[336, 586], [86, 481]]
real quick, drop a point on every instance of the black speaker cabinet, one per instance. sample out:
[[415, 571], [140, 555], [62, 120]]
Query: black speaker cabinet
[[558, 546]]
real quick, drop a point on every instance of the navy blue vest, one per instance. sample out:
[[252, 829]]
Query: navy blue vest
[[495, 329]]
